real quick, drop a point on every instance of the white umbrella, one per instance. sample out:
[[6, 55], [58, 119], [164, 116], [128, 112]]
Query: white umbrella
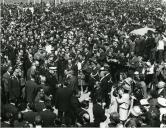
[[142, 31], [158, 9]]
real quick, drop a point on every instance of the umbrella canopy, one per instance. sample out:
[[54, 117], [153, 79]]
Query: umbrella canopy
[[142, 31], [158, 9]]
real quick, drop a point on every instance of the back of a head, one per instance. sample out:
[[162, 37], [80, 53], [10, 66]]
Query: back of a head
[[13, 100], [131, 123], [153, 94], [86, 118], [8, 116], [31, 106], [38, 120], [48, 104], [154, 113], [115, 117], [99, 99]]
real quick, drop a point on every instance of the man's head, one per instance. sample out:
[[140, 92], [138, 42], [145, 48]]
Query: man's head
[[10, 69], [38, 120], [16, 72], [36, 63], [42, 79], [114, 117]]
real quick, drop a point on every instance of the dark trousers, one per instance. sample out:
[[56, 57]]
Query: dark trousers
[[106, 98], [149, 78], [6, 97], [65, 117]]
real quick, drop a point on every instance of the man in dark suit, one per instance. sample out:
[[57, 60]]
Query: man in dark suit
[[51, 81], [12, 54], [11, 107], [19, 122], [75, 106], [62, 103], [15, 89], [73, 83], [31, 89], [105, 82], [31, 71], [140, 46], [150, 47], [47, 115], [27, 63], [7, 120], [6, 82], [40, 105], [99, 113], [61, 66]]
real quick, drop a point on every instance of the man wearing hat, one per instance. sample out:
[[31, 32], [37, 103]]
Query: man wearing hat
[[124, 102], [105, 84], [51, 80], [145, 107], [145, 104], [161, 89], [114, 120], [94, 76], [61, 66], [162, 105], [134, 119], [15, 88], [163, 122], [62, 103]]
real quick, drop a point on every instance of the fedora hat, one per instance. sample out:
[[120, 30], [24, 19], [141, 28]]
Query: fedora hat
[[128, 80], [161, 84], [136, 111], [126, 87], [144, 102], [161, 101]]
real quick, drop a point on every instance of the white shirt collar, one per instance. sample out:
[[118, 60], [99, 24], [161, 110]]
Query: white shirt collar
[[13, 104], [7, 122], [26, 110], [41, 101], [44, 109]]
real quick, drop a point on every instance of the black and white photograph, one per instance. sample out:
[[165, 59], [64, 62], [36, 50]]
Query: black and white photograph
[[83, 63]]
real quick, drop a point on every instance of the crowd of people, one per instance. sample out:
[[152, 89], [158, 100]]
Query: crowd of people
[[80, 65]]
